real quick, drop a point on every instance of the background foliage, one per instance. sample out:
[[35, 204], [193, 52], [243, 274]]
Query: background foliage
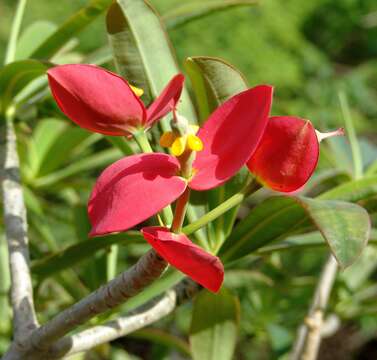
[[310, 51]]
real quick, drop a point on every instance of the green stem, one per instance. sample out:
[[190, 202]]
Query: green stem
[[142, 140], [223, 208], [111, 266], [16, 26], [180, 211]]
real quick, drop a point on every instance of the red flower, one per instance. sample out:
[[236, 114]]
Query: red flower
[[103, 102], [137, 187], [288, 153]]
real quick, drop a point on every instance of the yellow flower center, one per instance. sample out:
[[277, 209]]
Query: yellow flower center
[[178, 144], [137, 91]]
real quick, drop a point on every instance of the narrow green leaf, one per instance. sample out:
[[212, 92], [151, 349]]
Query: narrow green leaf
[[97, 160], [265, 223], [161, 337], [112, 262], [353, 191], [15, 30], [280, 216], [195, 10], [70, 28], [64, 149], [44, 135], [32, 37], [73, 254], [15, 76], [351, 134], [214, 326], [142, 51], [169, 279]]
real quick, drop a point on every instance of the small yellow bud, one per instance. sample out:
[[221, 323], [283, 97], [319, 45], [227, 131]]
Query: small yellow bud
[[178, 146], [137, 91], [167, 139], [194, 143]]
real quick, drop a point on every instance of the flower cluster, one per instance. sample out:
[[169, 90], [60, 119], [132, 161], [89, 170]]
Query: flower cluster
[[281, 152]]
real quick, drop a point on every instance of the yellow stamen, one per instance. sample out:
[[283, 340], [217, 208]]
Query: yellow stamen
[[194, 143], [137, 91], [167, 139], [179, 146]]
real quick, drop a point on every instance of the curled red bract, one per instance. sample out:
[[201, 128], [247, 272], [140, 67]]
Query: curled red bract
[[287, 155], [103, 102], [179, 251]]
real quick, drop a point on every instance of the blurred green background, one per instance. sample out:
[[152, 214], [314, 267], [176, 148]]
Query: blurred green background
[[309, 50]]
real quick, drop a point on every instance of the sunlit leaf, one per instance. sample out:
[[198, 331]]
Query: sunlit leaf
[[15, 76], [142, 51], [280, 216], [70, 28], [214, 326], [32, 37], [190, 11]]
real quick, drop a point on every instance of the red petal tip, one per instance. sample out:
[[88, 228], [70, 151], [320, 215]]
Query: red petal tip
[[180, 252]]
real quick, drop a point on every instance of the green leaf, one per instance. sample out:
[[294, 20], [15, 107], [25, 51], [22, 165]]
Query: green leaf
[[214, 325], [15, 76], [195, 10], [169, 279], [278, 217], [70, 28], [351, 134], [97, 160], [45, 134], [214, 81], [162, 337], [64, 148], [32, 37], [265, 223], [75, 253], [353, 191], [345, 226], [13, 37], [142, 51]]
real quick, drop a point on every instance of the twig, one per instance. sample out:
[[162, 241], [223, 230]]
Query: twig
[[309, 334], [24, 319], [97, 335], [127, 284]]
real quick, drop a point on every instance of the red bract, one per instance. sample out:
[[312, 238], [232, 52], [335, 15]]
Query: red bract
[[132, 189], [288, 153], [191, 259], [103, 102]]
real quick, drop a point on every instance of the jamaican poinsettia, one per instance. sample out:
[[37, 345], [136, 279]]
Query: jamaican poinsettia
[[287, 154], [138, 186], [103, 102]]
